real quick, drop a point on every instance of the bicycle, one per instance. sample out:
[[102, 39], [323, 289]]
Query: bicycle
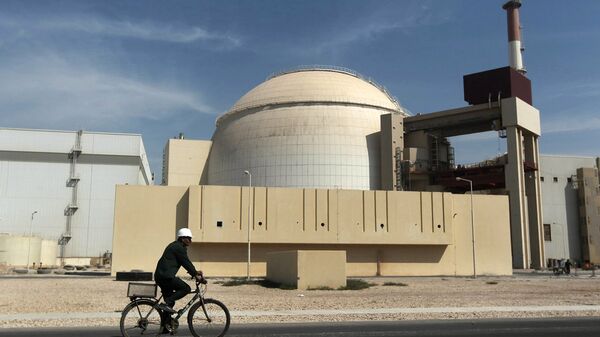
[[142, 316]]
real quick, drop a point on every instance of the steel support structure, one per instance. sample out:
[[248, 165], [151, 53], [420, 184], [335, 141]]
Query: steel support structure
[[521, 122]]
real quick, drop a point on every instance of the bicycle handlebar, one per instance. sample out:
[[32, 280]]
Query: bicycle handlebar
[[202, 280]]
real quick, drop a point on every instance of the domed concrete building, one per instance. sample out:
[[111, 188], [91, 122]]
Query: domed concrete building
[[329, 154], [310, 127]]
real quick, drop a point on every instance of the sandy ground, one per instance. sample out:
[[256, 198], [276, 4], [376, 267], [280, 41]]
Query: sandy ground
[[104, 295]]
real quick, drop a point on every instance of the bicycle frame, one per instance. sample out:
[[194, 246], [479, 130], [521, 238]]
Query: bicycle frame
[[198, 295], [180, 312]]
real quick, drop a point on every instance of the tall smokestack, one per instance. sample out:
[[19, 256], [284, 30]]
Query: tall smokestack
[[514, 35]]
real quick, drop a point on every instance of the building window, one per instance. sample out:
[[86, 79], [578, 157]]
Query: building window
[[569, 180], [542, 179], [555, 179], [547, 232]]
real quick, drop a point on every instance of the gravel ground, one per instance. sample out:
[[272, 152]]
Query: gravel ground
[[104, 295]]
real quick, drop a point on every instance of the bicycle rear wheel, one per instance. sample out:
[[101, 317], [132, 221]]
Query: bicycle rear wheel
[[140, 318], [214, 323]]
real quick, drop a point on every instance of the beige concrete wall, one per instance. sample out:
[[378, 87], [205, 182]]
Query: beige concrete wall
[[185, 161], [282, 267], [492, 235], [383, 232], [146, 218], [589, 213], [308, 268], [321, 268], [516, 112], [284, 215]]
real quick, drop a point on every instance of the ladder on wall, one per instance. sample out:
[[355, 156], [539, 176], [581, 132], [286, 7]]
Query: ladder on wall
[[72, 182]]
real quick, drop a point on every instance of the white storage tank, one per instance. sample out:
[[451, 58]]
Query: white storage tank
[[15, 250], [3, 249], [49, 253], [312, 127]]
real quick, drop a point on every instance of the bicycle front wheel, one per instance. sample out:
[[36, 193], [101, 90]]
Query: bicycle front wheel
[[140, 318], [211, 321]]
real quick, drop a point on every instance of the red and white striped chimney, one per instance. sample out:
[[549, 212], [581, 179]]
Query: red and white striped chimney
[[514, 35]]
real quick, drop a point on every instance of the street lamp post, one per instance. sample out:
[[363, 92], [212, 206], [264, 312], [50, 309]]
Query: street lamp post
[[30, 234], [250, 222], [472, 222]]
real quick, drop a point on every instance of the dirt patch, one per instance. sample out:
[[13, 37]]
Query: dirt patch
[[104, 295]]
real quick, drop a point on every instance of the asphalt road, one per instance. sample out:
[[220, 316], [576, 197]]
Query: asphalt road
[[552, 327]]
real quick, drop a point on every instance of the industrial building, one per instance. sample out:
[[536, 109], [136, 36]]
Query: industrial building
[[571, 207], [382, 229], [310, 144], [322, 158], [59, 187]]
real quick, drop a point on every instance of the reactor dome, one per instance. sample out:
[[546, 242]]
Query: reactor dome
[[311, 127]]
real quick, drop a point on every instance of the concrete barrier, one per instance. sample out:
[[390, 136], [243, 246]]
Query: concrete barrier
[[308, 268]]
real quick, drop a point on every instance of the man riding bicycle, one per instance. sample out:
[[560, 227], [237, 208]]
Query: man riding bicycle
[[174, 257]]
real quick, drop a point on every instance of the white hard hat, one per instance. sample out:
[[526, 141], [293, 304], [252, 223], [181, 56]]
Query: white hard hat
[[184, 232]]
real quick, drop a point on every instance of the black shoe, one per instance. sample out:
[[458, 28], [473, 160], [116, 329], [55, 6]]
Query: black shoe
[[164, 307]]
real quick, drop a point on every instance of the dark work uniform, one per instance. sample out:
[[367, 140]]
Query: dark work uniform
[[174, 257]]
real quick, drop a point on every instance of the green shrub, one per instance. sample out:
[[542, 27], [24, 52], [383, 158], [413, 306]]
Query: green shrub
[[238, 281], [356, 284], [270, 284], [399, 284], [234, 282]]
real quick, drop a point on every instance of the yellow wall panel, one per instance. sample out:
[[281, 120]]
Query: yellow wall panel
[[350, 217], [437, 209], [221, 214], [310, 211], [381, 213], [322, 208], [369, 211], [426, 212]]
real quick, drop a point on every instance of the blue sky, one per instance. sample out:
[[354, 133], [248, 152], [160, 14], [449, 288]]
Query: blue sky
[[163, 67]]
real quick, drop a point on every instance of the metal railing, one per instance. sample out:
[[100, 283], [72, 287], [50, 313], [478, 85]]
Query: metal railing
[[342, 70]]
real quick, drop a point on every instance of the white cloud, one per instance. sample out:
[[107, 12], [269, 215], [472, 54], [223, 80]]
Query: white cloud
[[144, 31], [586, 89], [571, 123], [572, 90], [49, 89], [137, 30], [377, 24], [570, 106]]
